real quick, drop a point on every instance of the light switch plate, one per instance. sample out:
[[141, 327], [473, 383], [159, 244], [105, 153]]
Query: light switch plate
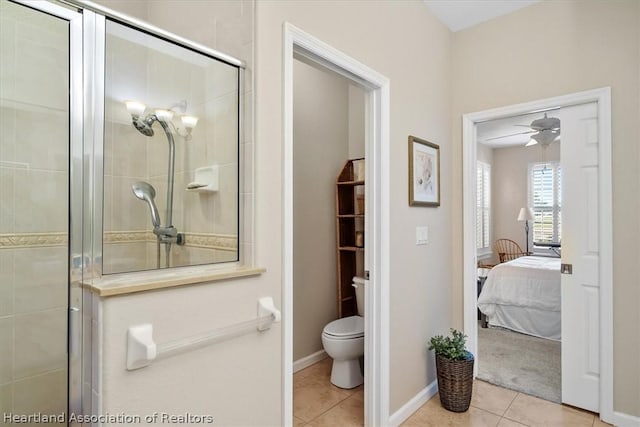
[[422, 235]]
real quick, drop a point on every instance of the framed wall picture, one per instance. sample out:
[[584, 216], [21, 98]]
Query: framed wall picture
[[424, 173]]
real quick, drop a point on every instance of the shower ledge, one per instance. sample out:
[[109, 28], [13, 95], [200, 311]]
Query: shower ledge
[[128, 283]]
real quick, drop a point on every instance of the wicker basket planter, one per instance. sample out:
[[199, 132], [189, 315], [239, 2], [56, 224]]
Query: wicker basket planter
[[455, 382]]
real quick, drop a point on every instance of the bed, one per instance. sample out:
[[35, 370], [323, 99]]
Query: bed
[[524, 295]]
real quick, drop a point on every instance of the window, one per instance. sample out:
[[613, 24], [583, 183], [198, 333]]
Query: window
[[483, 208], [545, 183]]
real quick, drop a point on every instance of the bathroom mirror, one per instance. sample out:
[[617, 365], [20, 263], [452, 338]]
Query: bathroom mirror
[[171, 158]]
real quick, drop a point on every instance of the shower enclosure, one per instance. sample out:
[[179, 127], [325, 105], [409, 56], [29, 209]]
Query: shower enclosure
[[118, 142], [40, 136]]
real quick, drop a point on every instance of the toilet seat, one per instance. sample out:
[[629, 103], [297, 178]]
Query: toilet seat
[[345, 328]]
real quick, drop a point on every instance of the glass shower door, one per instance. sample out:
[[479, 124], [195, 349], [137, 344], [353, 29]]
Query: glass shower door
[[36, 129]]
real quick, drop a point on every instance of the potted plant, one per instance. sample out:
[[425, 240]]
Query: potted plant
[[454, 365]]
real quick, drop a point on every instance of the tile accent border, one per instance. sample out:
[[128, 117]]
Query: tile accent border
[[30, 240], [224, 242], [127, 236]]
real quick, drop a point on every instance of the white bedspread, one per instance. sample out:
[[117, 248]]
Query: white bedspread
[[531, 283]]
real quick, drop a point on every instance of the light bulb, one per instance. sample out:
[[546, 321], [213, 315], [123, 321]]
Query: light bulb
[[135, 108], [164, 115], [189, 122]]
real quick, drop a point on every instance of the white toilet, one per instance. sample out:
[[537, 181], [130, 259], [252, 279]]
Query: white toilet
[[343, 340]]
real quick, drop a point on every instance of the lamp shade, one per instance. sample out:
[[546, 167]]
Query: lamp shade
[[546, 136], [164, 115], [135, 108], [189, 122], [526, 214]]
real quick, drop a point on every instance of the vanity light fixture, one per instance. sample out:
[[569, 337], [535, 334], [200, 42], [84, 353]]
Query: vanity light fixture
[[135, 108], [165, 116], [189, 122]]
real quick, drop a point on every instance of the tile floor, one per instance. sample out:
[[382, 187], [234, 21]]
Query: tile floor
[[496, 406], [317, 403]]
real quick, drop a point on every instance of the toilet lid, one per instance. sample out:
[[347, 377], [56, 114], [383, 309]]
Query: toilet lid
[[347, 327]]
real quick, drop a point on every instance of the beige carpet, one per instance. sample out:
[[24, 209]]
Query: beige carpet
[[520, 362]]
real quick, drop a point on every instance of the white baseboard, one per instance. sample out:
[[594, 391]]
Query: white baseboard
[[414, 404], [309, 360], [624, 420]]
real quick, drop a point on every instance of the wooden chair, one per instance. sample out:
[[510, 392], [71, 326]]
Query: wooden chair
[[507, 250]]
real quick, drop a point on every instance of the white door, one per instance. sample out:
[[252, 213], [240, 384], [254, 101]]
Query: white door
[[580, 250]]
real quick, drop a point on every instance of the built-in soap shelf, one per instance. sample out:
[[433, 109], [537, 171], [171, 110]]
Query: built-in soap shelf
[[207, 179]]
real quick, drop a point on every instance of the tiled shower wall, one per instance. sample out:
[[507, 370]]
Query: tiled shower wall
[[161, 80], [33, 210]]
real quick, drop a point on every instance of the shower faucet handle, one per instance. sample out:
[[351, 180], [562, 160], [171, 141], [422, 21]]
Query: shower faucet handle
[[169, 235], [170, 231], [180, 239]]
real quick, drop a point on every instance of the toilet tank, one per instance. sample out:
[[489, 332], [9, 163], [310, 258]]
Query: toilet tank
[[358, 284]]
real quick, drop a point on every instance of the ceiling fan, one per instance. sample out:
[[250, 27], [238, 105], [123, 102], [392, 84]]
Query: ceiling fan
[[543, 131]]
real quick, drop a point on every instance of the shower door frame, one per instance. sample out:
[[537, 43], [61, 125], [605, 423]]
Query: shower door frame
[[94, 54], [75, 194]]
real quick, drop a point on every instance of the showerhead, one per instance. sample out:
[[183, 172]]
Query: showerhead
[[144, 126], [145, 191]]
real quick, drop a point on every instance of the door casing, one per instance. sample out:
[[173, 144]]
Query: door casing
[[377, 105], [602, 97]]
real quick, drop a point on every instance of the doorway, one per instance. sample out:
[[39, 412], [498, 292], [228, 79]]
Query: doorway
[[298, 44], [601, 98], [328, 131]]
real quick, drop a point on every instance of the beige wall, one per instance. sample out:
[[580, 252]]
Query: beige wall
[[236, 381], [491, 69], [320, 149], [510, 188], [356, 122], [587, 44], [414, 52]]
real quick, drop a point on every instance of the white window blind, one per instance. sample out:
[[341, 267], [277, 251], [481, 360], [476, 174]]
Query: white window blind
[[545, 184], [483, 208]]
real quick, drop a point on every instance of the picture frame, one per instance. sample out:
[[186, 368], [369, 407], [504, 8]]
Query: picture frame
[[424, 173]]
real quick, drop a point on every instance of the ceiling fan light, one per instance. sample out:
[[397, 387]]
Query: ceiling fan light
[[545, 137]]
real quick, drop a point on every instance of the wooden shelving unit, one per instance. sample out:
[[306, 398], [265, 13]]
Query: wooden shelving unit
[[349, 220]]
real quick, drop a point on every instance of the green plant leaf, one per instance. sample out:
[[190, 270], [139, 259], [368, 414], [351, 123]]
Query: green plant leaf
[[452, 347]]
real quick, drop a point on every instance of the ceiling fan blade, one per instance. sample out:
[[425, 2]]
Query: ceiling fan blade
[[540, 128], [531, 142], [513, 134]]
